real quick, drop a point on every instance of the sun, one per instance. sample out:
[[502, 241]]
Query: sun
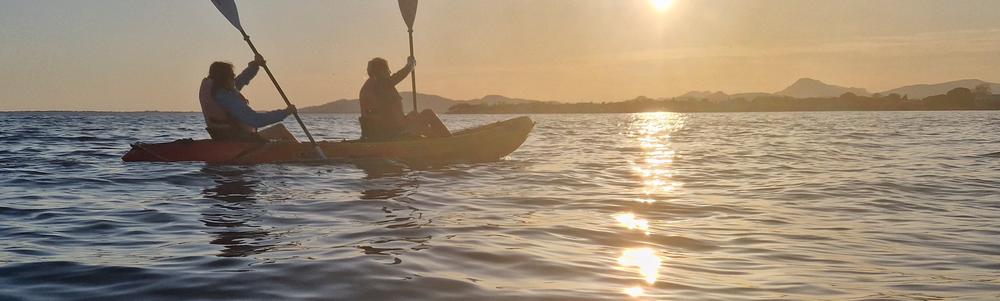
[[661, 5]]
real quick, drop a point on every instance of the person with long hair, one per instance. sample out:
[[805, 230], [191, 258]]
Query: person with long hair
[[228, 114], [382, 116]]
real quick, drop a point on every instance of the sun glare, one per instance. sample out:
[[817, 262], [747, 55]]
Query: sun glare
[[632, 223], [661, 5], [645, 259], [634, 291]]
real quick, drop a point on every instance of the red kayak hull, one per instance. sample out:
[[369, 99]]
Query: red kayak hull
[[484, 143]]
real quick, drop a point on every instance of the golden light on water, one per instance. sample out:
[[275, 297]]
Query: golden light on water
[[654, 167], [645, 201], [653, 132], [657, 161], [645, 259], [632, 223], [634, 291], [661, 5]]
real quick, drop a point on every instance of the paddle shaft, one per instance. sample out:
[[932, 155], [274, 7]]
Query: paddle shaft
[[413, 72], [280, 91]]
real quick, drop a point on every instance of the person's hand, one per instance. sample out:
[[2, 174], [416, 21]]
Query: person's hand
[[259, 60], [291, 109], [411, 62]]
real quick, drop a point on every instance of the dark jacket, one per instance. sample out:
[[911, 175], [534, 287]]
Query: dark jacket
[[382, 115]]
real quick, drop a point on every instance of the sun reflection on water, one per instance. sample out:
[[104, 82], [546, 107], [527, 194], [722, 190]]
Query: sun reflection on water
[[653, 131], [634, 291], [645, 200], [645, 259], [632, 223]]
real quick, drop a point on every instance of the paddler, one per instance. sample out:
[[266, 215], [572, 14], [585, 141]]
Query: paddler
[[228, 113], [382, 116]]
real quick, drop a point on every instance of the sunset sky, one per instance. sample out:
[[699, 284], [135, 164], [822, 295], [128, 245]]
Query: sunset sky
[[150, 55]]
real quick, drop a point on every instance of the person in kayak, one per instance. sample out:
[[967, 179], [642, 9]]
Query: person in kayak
[[228, 115], [382, 116]]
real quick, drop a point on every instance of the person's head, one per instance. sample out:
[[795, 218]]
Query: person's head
[[378, 68], [222, 76]]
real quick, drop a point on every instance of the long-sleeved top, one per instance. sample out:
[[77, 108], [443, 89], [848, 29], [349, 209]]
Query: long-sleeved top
[[233, 102], [381, 104]]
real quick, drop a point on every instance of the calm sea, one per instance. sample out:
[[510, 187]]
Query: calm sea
[[657, 206]]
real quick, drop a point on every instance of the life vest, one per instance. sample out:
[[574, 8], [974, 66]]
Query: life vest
[[218, 122]]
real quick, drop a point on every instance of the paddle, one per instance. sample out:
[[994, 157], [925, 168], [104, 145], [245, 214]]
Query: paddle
[[228, 9], [409, 10]]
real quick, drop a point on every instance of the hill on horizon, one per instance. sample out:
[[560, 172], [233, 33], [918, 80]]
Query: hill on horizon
[[922, 91], [437, 103], [811, 88], [802, 88], [721, 96]]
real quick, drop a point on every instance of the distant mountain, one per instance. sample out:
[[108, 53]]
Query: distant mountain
[[721, 96], [337, 106], [424, 101], [925, 90], [749, 96], [809, 88], [708, 95], [802, 88], [499, 99]]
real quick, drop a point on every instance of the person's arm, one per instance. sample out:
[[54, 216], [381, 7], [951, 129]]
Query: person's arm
[[241, 111], [397, 77], [248, 74]]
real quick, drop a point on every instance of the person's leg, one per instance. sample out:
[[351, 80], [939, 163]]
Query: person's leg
[[425, 124], [436, 127], [277, 132], [414, 126], [233, 134]]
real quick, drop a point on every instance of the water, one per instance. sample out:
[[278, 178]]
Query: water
[[658, 206]]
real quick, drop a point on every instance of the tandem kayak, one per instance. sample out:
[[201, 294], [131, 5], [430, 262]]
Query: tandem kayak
[[483, 143]]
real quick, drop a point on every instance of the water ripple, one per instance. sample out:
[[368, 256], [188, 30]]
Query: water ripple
[[656, 206]]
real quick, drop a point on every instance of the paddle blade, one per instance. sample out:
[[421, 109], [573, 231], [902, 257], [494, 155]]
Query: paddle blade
[[409, 10], [228, 9]]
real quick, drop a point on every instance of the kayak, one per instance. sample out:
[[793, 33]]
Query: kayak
[[483, 143]]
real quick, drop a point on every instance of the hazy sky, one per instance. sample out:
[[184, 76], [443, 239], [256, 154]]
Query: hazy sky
[[151, 54]]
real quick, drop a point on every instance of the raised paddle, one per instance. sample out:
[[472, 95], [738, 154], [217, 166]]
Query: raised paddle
[[409, 10], [228, 9]]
